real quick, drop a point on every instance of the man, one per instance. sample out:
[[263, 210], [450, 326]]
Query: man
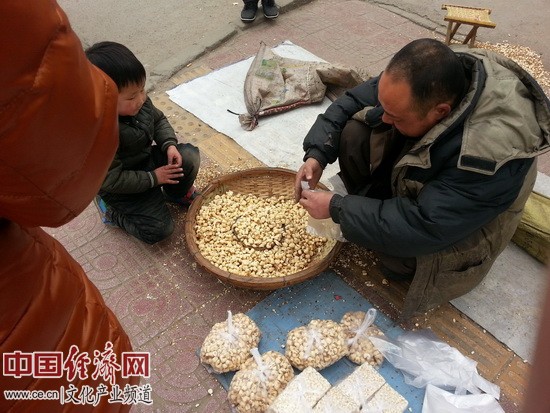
[[438, 157]]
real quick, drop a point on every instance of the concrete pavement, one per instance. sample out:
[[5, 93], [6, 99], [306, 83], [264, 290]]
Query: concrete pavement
[[170, 34], [165, 35], [524, 25]]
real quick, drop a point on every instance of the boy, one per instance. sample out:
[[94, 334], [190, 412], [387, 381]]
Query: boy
[[150, 166]]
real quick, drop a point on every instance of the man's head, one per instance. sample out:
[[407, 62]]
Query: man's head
[[123, 67], [420, 86]]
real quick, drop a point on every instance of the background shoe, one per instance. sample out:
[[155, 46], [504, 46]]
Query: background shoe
[[248, 14], [270, 9]]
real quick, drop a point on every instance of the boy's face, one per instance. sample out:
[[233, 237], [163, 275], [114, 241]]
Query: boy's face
[[130, 99]]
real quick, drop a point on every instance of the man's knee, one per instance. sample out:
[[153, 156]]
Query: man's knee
[[398, 267]]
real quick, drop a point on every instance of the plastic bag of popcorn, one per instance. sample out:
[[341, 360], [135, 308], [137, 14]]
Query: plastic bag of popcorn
[[259, 382], [227, 346], [319, 344], [359, 326]]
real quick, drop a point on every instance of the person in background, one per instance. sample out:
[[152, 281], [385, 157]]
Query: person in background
[[248, 14], [438, 158], [58, 137], [150, 166]]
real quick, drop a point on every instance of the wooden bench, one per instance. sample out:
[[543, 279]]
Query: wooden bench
[[474, 16]]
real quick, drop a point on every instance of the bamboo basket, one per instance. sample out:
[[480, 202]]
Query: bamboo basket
[[262, 182]]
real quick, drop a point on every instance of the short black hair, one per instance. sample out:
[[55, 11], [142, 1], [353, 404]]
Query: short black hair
[[118, 62], [433, 71]]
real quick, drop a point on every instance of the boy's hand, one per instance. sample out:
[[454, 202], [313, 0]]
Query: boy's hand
[[174, 156], [168, 174]]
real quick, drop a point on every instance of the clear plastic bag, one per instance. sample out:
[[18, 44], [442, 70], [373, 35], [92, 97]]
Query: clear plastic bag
[[437, 400], [325, 228], [359, 326], [227, 346], [259, 382], [424, 359], [319, 344]]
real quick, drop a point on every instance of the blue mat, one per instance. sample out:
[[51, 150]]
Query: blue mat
[[324, 297]]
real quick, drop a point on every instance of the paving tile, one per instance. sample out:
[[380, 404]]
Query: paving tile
[[465, 335], [544, 164], [359, 268], [179, 382], [513, 382], [193, 71]]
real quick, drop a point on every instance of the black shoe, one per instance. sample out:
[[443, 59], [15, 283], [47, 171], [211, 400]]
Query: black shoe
[[248, 14], [270, 9]]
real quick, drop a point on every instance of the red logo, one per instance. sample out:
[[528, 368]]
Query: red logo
[[17, 364], [136, 364], [76, 363], [48, 364]]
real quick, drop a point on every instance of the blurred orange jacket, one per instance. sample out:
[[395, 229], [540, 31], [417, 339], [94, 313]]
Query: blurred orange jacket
[[58, 136]]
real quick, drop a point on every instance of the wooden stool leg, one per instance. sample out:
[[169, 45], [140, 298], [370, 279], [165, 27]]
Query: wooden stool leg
[[471, 37], [448, 37], [455, 29]]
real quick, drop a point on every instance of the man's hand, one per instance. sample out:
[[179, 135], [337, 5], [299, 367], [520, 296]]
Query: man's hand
[[168, 174], [311, 172], [174, 156], [316, 203]]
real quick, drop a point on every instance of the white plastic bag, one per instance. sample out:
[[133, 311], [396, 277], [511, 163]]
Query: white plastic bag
[[325, 228], [424, 359], [437, 400]]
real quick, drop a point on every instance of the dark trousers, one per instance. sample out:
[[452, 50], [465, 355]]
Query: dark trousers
[[145, 215], [366, 158]]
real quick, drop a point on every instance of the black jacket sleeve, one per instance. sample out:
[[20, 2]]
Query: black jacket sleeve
[[323, 139], [164, 134], [126, 181], [127, 174], [448, 209]]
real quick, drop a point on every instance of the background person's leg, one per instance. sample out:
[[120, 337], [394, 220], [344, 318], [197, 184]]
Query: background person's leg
[[248, 14], [270, 9]]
